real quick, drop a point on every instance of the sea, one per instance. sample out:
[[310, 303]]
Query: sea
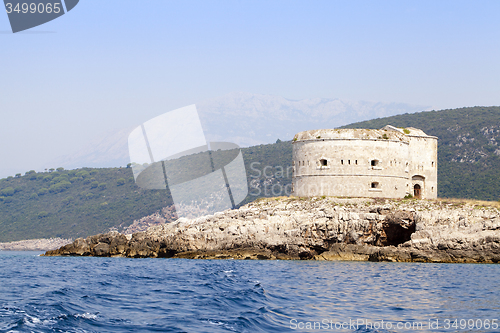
[[74, 294]]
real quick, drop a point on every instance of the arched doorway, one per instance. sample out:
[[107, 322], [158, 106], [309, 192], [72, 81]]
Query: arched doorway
[[417, 191], [418, 183]]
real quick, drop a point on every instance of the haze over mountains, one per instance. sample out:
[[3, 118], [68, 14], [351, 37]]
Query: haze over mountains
[[246, 119]]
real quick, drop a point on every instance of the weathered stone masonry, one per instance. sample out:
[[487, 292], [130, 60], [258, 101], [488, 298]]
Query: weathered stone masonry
[[387, 163]]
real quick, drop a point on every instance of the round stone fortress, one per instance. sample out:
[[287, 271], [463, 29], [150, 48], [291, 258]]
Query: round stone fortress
[[386, 163]]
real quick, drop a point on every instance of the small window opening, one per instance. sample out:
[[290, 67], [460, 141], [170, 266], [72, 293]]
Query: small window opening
[[323, 162], [356, 162], [349, 162], [433, 164], [374, 162], [375, 185], [341, 161]]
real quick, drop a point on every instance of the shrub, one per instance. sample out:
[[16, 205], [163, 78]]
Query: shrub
[[82, 173], [75, 179], [18, 189], [87, 181], [43, 191], [33, 176], [89, 195], [42, 214], [94, 185], [67, 200], [120, 181], [7, 199], [102, 186], [7, 192], [94, 171], [60, 187], [47, 178], [34, 196]]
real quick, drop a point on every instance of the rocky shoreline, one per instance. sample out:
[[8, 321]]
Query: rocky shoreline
[[317, 229], [42, 244]]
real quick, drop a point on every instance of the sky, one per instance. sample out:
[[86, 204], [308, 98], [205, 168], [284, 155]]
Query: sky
[[114, 64]]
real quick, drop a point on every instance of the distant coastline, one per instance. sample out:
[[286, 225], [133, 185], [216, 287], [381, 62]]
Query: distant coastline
[[42, 244]]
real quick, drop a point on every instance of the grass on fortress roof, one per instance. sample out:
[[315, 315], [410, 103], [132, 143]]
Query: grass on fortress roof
[[416, 203]]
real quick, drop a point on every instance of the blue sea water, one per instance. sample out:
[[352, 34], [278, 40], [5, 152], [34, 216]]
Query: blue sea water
[[56, 294]]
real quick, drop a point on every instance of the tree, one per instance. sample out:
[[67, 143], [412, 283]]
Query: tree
[[43, 191], [7, 192], [51, 170], [42, 214], [60, 169], [18, 175], [102, 186], [120, 181]]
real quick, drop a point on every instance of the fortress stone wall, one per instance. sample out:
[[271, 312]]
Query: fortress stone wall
[[387, 163]]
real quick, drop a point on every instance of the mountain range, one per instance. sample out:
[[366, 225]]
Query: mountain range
[[245, 119]]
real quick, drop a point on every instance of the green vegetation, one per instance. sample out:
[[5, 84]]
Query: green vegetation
[[468, 148], [82, 202], [62, 204]]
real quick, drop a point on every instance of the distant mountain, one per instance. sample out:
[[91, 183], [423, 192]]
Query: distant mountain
[[250, 119], [108, 150], [247, 120]]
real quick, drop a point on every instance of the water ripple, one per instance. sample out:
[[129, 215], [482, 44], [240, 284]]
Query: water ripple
[[41, 294]]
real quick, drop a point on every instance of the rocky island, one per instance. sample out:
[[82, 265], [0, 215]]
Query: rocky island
[[326, 228]]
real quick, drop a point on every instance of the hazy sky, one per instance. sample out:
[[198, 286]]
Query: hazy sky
[[116, 63]]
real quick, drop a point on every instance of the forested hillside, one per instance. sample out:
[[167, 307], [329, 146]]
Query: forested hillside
[[87, 201], [468, 148], [72, 203]]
